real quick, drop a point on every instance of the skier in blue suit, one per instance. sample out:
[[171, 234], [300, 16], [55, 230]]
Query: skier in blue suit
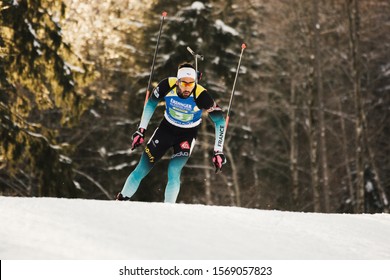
[[184, 101]]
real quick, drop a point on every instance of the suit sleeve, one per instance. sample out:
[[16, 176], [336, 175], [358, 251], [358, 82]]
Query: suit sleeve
[[219, 122], [206, 102], [157, 95]]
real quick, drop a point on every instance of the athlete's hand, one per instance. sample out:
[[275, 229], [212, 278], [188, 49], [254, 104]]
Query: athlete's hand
[[219, 159], [138, 138]]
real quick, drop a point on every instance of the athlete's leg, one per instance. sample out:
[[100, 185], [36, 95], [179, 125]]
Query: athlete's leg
[[134, 179], [158, 144], [182, 152], [175, 167]]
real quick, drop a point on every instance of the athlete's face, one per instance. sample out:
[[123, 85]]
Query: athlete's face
[[186, 86]]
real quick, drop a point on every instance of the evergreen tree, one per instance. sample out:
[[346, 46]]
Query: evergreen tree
[[39, 79]]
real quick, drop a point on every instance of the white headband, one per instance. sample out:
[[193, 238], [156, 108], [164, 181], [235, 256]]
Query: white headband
[[186, 72]]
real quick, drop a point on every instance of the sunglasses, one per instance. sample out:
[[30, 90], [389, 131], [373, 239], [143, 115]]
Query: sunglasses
[[186, 84]]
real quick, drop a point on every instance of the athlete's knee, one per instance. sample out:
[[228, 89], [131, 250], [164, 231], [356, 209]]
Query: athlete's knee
[[176, 165]]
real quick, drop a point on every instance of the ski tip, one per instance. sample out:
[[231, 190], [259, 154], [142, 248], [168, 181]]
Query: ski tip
[[243, 46], [164, 14]]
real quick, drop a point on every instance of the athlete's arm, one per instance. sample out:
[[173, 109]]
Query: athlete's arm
[[206, 102], [219, 122], [157, 95]]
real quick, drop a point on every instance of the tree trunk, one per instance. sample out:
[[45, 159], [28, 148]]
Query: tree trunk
[[353, 16], [312, 135], [314, 161], [320, 96], [234, 169], [346, 154], [294, 143]]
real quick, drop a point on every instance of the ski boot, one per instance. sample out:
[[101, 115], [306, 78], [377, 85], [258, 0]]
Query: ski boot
[[120, 197]]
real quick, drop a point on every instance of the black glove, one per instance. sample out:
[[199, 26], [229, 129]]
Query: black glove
[[138, 138], [219, 159]]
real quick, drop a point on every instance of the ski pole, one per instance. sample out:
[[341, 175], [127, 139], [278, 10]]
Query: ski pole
[[243, 47], [163, 15], [196, 56]]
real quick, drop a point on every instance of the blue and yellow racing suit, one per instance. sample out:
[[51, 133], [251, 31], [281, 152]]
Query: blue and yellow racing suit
[[178, 130]]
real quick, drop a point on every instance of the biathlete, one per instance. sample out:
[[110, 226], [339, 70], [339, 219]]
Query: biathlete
[[184, 101]]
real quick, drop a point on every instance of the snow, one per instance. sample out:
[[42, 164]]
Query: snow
[[78, 229], [30, 28], [74, 68], [199, 6], [219, 24]]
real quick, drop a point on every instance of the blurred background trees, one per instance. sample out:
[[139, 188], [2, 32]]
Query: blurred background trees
[[309, 127]]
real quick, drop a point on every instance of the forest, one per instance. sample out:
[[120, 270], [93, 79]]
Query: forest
[[309, 126]]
